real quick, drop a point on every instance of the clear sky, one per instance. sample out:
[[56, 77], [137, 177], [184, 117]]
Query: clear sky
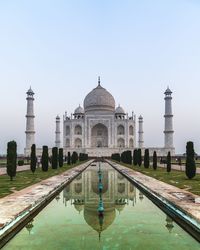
[[137, 47]]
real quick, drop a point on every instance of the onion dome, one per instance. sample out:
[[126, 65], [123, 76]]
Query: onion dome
[[99, 99], [119, 111], [168, 91], [57, 117], [79, 110]]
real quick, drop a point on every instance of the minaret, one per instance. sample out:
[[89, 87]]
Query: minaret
[[57, 141], [168, 119], [140, 133], [30, 132]]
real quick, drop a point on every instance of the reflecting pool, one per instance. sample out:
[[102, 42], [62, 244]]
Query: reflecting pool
[[129, 220]]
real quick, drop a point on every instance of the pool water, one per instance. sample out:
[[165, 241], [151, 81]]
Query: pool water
[[129, 221]]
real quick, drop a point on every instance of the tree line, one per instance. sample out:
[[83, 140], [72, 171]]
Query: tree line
[[56, 160], [137, 159]]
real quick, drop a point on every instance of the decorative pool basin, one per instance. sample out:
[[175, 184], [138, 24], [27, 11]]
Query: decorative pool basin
[[130, 220]]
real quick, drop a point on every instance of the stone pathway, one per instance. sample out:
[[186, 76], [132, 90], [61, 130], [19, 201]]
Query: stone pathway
[[15, 208], [19, 169], [179, 168]]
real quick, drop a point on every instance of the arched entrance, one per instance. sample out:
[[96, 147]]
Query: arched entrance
[[99, 136]]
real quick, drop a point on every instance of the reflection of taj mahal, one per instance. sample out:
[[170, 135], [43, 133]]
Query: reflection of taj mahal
[[117, 192]]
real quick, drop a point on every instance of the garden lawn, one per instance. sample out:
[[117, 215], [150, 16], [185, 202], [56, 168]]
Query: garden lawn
[[175, 178], [27, 178]]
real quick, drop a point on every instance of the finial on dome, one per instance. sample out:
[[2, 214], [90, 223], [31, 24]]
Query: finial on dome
[[99, 81]]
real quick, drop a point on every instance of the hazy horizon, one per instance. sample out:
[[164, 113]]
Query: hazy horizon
[[138, 49]]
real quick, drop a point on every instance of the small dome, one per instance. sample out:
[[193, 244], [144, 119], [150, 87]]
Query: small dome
[[79, 110], [168, 91], [30, 92], [140, 117], [57, 117], [99, 99], [119, 110]]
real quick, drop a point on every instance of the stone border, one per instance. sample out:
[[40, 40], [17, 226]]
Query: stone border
[[182, 206], [16, 209]]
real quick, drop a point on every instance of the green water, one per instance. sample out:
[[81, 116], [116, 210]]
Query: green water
[[130, 221]]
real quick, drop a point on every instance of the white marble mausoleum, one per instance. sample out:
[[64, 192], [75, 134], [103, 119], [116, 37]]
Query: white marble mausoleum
[[99, 128]]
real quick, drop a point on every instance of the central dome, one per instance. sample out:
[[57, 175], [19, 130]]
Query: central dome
[[99, 99]]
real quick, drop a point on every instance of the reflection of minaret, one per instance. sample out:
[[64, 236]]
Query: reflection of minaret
[[30, 226], [141, 133], [168, 120], [30, 132], [57, 141], [169, 224]]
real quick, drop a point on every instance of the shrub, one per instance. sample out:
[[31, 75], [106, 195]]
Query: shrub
[[20, 162], [190, 167], [116, 157], [60, 158], [126, 157], [45, 159], [33, 158], [54, 160], [146, 158], [83, 157], [168, 162], [11, 159], [74, 157], [154, 160]]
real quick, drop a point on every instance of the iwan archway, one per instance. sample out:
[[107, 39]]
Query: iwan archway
[[99, 136]]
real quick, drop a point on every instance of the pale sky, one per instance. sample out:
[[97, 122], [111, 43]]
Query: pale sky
[[137, 47]]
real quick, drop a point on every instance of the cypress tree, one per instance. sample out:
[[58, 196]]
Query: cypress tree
[[146, 158], [135, 158], [54, 161], [60, 157], [33, 158], [69, 158], [74, 157], [169, 162], [190, 167], [155, 160], [139, 157], [45, 159], [11, 159], [128, 157]]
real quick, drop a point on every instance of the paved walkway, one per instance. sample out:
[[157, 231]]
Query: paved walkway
[[179, 168], [19, 169]]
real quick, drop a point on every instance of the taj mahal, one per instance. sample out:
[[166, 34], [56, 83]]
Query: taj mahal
[[99, 128]]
